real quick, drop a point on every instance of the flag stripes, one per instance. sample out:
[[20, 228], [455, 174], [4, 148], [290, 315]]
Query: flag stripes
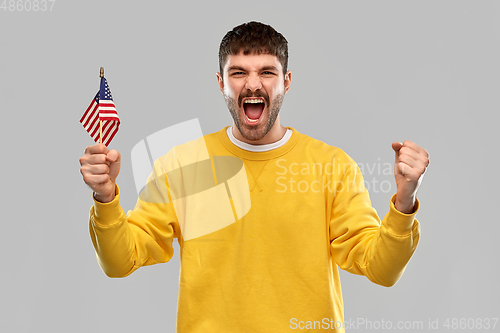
[[102, 108]]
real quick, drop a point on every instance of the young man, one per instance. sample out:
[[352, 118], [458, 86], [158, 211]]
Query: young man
[[300, 213]]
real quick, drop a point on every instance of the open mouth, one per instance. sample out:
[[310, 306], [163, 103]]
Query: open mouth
[[253, 107]]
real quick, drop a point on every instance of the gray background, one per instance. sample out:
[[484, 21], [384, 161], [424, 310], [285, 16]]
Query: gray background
[[365, 74]]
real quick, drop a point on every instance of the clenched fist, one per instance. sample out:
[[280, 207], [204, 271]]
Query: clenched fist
[[409, 168], [100, 167]]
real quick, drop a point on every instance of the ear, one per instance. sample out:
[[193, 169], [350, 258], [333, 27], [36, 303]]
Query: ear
[[288, 81], [220, 82]]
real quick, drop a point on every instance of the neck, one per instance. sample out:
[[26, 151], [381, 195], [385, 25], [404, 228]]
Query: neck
[[274, 135]]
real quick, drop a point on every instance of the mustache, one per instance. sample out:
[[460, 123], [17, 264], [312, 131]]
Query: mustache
[[256, 94]]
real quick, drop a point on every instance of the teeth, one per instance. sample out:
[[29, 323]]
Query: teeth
[[251, 120], [253, 101]]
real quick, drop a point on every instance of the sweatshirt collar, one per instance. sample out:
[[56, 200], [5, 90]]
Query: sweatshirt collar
[[260, 155]]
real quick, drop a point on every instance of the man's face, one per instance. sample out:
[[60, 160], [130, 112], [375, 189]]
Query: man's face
[[253, 87]]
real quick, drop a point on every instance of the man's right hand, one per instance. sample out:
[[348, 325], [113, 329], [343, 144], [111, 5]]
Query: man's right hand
[[100, 167]]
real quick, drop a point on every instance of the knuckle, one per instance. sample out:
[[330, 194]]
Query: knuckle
[[97, 149], [97, 159], [103, 148], [97, 169], [102, 169], [84, 170], [86, 179]]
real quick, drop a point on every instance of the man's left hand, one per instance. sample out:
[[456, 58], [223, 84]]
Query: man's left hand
[[409, 168]]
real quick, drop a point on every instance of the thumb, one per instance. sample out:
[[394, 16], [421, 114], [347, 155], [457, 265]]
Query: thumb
[[114, 157], [396, 146]]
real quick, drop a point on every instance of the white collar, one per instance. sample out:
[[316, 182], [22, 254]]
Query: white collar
[[258, 148]]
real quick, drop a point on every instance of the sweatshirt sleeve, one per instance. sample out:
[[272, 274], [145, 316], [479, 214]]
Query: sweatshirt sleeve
[[143, 236], [361, 243]]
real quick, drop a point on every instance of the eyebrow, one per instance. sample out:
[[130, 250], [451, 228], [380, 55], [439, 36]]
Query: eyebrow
[[265, 68]]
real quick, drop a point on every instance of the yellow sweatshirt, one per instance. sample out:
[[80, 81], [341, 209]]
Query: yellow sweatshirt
[[261, 234]]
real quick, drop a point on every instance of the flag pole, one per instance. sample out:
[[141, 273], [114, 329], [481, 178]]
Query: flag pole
[[101, 75]]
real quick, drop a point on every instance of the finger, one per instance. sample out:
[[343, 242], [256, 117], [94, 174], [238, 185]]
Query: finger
[[98, 148], [96, 159], [414, 163], [411, 163], [414, 154], [95, 180], [410, 174], [401, 168], [415, 147], [95, 169]]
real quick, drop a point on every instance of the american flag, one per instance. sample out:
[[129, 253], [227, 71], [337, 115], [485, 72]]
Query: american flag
[[102, 108]]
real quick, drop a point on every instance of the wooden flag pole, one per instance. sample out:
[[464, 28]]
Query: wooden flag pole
[[101, 75]]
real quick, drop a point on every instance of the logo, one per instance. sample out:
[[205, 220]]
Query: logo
[[174, 166]]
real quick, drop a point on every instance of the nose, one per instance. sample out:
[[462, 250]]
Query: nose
[[253, 83]]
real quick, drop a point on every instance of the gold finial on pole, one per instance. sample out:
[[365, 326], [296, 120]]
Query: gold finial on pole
[[101, 74]]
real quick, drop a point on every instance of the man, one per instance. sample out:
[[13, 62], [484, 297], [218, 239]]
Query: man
[[275, 269]]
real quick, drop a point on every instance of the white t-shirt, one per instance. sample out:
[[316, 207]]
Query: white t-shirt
[[258, 148]]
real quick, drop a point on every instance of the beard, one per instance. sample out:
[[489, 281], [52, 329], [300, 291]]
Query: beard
[[254, 133]]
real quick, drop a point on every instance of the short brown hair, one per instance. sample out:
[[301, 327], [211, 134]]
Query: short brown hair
[[254, 37]]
